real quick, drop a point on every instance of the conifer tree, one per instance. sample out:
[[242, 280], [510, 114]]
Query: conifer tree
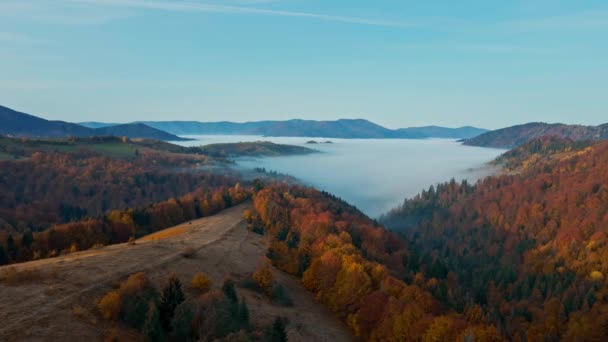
[[153, 331], [171, 297]]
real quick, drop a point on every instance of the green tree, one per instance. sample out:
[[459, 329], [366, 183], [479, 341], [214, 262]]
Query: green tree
[[278, 331], [244, 315], [11, 247], [229, 290], [171, 297], [27, 239], [181, 326], [153, 330], [3, 257]]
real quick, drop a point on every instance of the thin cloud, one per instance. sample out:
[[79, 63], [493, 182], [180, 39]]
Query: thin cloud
[[226, 9], [587, 20]]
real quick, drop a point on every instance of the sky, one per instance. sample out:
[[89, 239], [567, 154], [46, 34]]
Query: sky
[[398, 63]]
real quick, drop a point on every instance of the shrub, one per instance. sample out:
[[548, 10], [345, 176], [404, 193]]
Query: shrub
[[189, 253], [110, 305], [263, 277], [280, 296], [201, 282], [131, 302]]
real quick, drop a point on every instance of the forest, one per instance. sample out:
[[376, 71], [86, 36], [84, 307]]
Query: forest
[[528, 250], [515, 257], [102, 192], [518, 256]]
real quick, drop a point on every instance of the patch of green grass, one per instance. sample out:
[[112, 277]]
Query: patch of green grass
[[112, 149]]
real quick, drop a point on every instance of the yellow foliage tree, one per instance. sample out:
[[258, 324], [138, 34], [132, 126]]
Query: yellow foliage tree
[[263, 276], [201, 282]]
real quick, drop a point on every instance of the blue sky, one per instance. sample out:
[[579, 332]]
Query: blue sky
[[396, 62]]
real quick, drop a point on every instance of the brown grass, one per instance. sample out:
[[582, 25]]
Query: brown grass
[[165, 234], [13, 276]]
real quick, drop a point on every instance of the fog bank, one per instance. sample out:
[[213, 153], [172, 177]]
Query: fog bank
[[373, 174]]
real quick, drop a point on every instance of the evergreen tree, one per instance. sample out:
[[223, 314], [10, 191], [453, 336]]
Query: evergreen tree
[[153, 330], [3, 257], [244, 315], [230, 291], [171, 297], [278, 331], [181, 326], [27, 239], [11, 248]]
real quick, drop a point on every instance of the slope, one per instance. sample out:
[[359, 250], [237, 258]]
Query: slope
[[54, 299]]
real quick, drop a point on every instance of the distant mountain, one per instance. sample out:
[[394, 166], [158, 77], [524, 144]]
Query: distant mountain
[[16, 123], [94, 124], [465, 132], [343, 128], [137, 130], [21, 124], [208, 128], [517, 135]]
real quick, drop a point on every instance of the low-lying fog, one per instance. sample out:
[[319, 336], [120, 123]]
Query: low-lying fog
[[373, 174]]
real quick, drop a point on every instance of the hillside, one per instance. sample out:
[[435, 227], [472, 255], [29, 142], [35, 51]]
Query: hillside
[[56, 299], [465, 132], [208, 128], [25, 125], [525, 252], [516, 135], [253, 149], [539, 150], [137, 130], [21, 124]]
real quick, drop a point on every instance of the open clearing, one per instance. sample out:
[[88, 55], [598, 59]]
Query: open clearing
[[54, 299]]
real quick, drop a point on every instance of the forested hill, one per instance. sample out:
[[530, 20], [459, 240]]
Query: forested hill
[[253, 149], [526, 253], [137, 130], [537, 150], [516, 135]]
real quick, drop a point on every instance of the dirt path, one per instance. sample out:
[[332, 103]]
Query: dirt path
[[57, 303]]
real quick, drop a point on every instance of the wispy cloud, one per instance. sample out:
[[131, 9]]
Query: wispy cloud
[[59, 12], [585, 20], [483, 47], [100, 84], [227, 9]]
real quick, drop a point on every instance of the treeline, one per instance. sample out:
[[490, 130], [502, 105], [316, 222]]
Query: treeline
[[353, 266], [529, 252], [169, 315], [119, 226]]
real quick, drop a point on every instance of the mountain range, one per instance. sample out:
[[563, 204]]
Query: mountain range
[[517, 135], [21, 124], [25, 125], [343, 128]]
